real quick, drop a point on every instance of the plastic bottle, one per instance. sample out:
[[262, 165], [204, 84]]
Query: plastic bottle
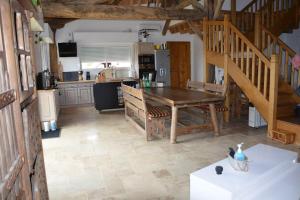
[[239, 155]]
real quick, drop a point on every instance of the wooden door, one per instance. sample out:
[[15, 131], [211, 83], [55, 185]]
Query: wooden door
[[22, 41], [180, 62], [14, 173]]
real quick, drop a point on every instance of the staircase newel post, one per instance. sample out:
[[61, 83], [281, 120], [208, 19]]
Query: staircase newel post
[[233, 11], [258, 30], [274, 71], [226, 55], [205, 41]]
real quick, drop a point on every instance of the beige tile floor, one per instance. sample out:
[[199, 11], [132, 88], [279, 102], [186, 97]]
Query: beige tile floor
[[101, 156]]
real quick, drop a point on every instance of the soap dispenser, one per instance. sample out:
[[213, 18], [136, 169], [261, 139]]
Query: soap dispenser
[[239, 155]]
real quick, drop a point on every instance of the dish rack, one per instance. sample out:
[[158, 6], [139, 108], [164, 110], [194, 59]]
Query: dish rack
[[238, 165]]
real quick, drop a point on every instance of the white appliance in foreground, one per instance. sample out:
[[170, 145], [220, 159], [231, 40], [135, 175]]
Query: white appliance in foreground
[[255, 119], [269, 168]]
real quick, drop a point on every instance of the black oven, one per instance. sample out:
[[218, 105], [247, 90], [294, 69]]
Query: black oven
[[146, 61]]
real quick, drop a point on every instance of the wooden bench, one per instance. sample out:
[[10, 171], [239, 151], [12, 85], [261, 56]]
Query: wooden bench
[[214, 89], [146, 117]]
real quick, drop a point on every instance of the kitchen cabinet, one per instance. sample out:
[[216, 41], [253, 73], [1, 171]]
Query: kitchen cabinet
[[108, 95], [84, 95], [76, 93], [71, 96], [141, 48], [48, 104], [62, 99], [145, 48]]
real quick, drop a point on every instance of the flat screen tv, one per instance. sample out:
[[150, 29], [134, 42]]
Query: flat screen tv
[[67, 49]]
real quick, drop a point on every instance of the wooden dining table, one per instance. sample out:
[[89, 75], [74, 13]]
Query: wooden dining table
[[178, 98]]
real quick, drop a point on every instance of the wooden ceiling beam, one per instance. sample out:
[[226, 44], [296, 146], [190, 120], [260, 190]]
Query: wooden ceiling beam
[[218, 7], [195, 29], [59, 10], [181, 5], [166, 27], [80, 2], [199, 6], [57, 23]]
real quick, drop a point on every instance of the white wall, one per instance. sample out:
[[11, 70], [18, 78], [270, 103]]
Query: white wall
[[240, 4], [292, 40], [126, 32]]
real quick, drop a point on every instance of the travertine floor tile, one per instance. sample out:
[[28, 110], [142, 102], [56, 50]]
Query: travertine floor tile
[[102, 157]]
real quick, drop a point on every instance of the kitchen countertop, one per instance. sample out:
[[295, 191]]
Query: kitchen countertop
[[75, 82], [117, 80], [94, 81]]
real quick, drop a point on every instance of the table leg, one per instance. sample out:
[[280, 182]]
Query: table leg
[[214, 119], [173, 124]]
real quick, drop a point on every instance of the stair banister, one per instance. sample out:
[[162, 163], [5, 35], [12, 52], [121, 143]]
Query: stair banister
[[205, 46], [274, 73], [226, 56], [257, 30]]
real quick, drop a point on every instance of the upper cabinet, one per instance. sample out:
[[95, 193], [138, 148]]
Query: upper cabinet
[[144, 48], [23, 46]]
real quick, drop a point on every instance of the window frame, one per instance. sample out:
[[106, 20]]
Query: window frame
[[128, 45]]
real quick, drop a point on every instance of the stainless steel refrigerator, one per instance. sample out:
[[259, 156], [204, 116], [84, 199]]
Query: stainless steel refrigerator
[[162, 67]]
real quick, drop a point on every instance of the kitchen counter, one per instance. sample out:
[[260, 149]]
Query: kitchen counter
[[116, 80], [75, 82], [95, 81]]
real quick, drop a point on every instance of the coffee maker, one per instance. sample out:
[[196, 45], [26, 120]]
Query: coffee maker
[[44, 80]]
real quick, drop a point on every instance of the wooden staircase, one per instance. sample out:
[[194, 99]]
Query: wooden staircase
[[258, 61]]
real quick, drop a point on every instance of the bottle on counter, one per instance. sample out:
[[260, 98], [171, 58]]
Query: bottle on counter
[[80, 75]]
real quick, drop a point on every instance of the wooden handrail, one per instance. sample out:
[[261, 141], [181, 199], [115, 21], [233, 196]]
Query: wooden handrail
[[271, 11], [279, 41], [272, 44], [257, 4], [249, 43]]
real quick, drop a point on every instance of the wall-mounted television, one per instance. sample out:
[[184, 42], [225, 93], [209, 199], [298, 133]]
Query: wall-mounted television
[[67, 49]]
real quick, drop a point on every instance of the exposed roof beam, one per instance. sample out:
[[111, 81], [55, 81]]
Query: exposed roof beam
[[166, 27], [195, 29], [57, 23], [181, 5], [198, 6], [59, 10], [80, 2], [218, 7]]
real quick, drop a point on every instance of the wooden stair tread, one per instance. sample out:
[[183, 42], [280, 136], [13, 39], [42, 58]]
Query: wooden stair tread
[[283, 136], [292, 120], [284, 132]]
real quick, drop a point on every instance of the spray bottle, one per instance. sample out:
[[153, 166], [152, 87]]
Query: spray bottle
[[239, 155]]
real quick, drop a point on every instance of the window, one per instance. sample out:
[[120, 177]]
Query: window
[[101, 56]]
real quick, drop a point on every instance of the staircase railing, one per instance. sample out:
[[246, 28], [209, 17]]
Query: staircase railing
[[271, 44], [215, 36], [258, 72], [271, 11]]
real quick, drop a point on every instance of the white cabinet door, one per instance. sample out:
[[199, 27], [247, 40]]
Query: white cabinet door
[[92, 94], [71, 95], [57, 104], [62, 97], [48, 105], [84, 95]]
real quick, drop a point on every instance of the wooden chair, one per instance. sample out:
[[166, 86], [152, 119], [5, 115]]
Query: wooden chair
[[146, 117], [214, 89]]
